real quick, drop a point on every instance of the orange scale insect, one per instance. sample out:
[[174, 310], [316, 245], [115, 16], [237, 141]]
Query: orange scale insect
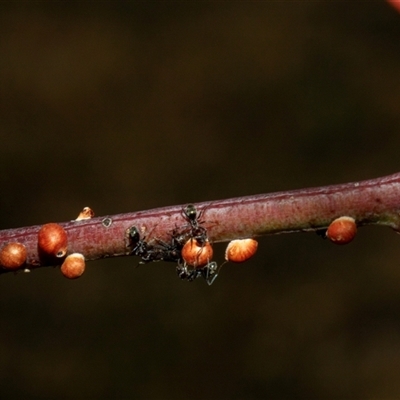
[[52, 240], [73, 266], [342, 230], [13, 255], [240, 250], [197, 254]]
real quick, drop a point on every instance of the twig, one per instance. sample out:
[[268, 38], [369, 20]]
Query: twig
[[375, 201]]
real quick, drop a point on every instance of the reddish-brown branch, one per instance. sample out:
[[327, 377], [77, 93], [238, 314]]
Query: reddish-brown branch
[[375, 201]]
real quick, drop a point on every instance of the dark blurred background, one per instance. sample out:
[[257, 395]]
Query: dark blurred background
[[125, 106]]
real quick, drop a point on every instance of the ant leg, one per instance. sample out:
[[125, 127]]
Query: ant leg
[[210, 272]]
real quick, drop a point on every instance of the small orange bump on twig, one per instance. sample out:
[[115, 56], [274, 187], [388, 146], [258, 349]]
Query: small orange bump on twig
[[197, 254], [73, 266], [52, 240], [86, 213], [13, 255], [240, 250], [342, 230]]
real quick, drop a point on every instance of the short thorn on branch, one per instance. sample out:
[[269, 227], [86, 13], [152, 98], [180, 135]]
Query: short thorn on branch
[[185, 235]]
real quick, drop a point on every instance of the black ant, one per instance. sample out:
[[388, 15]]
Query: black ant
[[197, 231], [168, 252], [190, 213], [208, 272], [163, 251], [138, 247], [148, 253]]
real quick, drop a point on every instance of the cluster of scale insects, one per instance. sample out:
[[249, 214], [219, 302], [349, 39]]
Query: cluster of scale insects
[[172, 252], [189, 247], [191, 243]]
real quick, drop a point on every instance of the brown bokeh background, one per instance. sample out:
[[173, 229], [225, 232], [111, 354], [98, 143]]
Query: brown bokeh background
[[123, 106]]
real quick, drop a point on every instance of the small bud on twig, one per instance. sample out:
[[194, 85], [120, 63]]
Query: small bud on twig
[[86, 213]]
